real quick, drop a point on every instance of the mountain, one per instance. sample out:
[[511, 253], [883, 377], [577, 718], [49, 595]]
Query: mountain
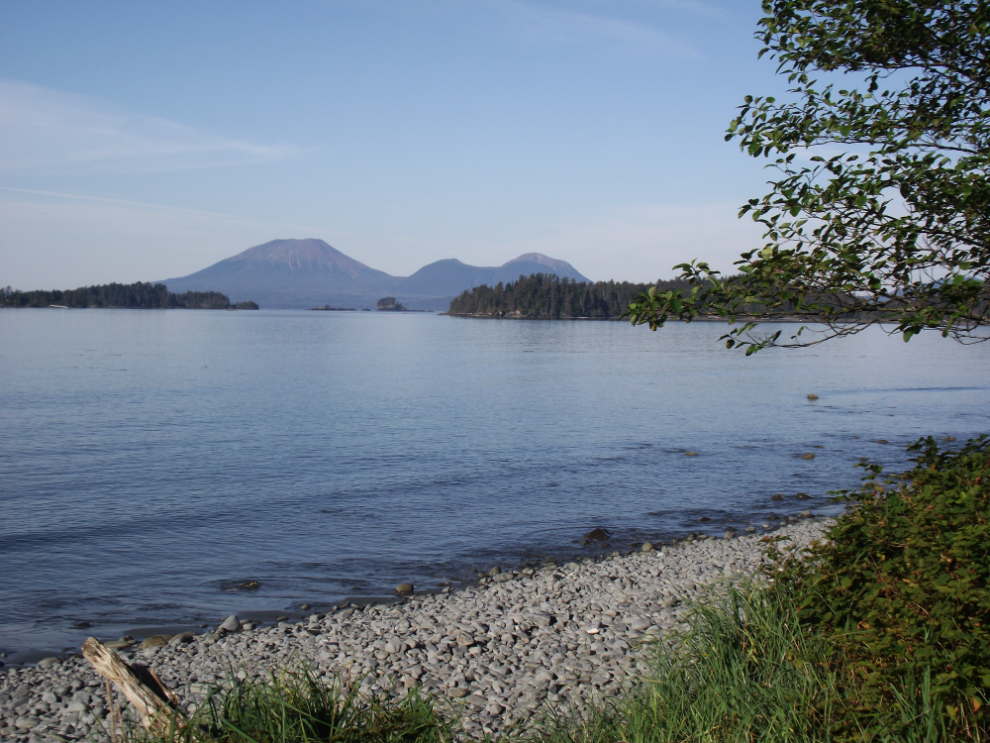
[[291, 273], [311, 273]]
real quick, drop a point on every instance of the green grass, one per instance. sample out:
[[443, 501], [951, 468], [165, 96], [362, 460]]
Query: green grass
[[746, 671], [737, 675], [297, 706]]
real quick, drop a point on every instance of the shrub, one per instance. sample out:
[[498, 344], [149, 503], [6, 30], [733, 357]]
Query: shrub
[[900, 592]]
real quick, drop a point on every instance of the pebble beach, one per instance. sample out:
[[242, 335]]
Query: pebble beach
[[494, 654]]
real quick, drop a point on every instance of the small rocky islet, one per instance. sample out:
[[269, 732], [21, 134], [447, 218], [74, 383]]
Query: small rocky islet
[[493, 654]]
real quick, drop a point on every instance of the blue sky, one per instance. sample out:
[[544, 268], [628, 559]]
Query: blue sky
[[143, 140]]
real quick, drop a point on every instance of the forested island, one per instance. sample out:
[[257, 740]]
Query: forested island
[[130, 296], [547, 296], [390, 304]]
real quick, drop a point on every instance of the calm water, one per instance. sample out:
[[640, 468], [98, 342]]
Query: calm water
[[151, 460]]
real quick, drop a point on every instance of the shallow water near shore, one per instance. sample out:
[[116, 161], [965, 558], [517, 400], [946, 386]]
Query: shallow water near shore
[[151, 461]]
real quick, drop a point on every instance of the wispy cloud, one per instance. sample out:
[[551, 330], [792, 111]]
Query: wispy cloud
[[695, 7], [566, 27], [52, 131], [129, 203]]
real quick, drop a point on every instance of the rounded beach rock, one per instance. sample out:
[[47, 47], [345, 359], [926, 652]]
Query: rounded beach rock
[[561, 636]]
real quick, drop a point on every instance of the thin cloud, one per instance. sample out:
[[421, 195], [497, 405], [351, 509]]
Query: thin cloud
[[53, 131], [144, 205], [577, 28], [696, 7]]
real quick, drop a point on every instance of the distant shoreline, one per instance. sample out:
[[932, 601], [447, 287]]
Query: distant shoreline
[[64, 307], [741, 318]]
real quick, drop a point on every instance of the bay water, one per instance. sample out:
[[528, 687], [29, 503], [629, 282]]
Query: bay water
[[152, 461]]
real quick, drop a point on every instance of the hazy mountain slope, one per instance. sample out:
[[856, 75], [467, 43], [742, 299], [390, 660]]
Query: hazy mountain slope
[[450, 277], [443, 277], [527, 265], [529, 261]]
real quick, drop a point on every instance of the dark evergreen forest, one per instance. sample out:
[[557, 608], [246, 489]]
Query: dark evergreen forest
[[548, 296], [133, 296]]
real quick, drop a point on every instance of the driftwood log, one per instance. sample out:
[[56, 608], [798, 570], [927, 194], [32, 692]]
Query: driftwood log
[[143, 689]]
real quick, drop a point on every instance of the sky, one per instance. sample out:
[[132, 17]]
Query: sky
[[146, 140]]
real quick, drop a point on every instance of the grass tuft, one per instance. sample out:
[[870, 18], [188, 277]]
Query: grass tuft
[[297, 706], [738, 674]]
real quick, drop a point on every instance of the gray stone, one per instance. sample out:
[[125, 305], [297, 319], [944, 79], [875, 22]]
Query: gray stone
[[527, 647], [26, 723], [231, 623], [647, 547], [156, 641]]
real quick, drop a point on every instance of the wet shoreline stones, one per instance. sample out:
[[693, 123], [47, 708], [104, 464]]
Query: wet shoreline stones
[[495, 653]]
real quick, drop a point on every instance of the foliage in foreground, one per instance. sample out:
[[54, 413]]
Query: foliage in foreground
[[299, 707], [880, 211], [902, 591]]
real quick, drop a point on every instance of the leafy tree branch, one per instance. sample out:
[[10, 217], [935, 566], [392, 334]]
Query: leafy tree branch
[[892, 231]]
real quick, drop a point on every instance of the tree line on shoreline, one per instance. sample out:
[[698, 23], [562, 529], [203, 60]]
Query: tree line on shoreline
[[130, 296], [548, 296]]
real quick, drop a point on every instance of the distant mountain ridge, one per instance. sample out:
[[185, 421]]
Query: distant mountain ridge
[[309, 273]]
